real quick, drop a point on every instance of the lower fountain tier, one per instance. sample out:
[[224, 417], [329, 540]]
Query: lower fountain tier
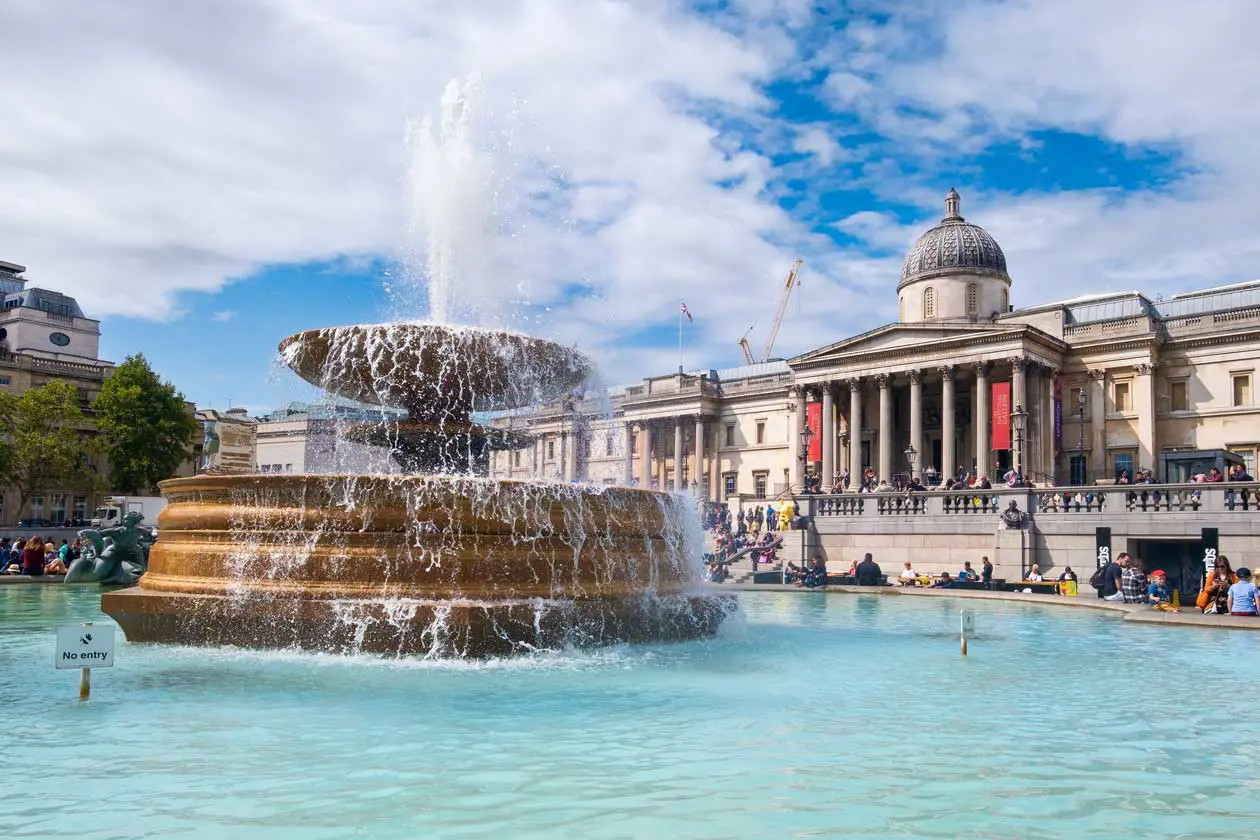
[[441, 628], [383, 563]]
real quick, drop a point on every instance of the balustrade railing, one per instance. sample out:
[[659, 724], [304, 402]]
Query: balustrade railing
[[1234, 498]]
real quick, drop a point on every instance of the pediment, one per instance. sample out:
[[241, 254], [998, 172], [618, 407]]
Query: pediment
[[908, 337]]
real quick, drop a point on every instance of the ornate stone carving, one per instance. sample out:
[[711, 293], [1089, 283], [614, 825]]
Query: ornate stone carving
[[1097, 374], [946, 372], [883, 380], [855, 384], [982, 369], [916, 376], [1145, 369], [1021, 363]]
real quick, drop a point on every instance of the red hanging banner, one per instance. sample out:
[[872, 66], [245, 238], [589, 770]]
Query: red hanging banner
[[1001, 415], [813, 418]]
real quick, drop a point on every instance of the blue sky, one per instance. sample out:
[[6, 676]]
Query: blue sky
[[210, 179]]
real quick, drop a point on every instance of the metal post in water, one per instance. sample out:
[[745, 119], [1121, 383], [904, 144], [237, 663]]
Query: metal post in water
[[85, 683]]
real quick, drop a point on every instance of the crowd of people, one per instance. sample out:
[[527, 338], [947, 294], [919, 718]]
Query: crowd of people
[[1226, 592], [752, 533], [34, 557]]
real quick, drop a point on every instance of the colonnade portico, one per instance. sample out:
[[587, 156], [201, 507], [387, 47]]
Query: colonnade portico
[[942, 412], [687, 462]]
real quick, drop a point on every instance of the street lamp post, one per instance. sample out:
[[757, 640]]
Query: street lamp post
[[1019, 420], [807, 435], [912, 455], [1080, 420]]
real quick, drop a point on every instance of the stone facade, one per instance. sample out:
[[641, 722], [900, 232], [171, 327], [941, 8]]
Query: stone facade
[[1101, 385], [45, 336]]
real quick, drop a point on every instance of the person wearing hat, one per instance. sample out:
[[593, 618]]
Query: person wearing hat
[[1243, 597], [1157, 592]]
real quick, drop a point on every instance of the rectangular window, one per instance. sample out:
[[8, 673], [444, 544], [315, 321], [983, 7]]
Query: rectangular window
[[1242, 389], [37, 507], [1121, 398], [1179, 395], [760, 480], [1122, 464], [57, 510], [730, 434], [610, 444], [761, 431], [1076, 470], [288, 468], [516, 457], [586, 447], [1248, 454], [551, 450], [634, 444], [730, 484], [4, 380], [80, 509]]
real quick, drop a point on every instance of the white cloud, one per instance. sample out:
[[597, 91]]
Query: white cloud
[[168, 147], [223, 316], [1165, 75]]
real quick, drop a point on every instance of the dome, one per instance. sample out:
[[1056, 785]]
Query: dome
[[953, 247]]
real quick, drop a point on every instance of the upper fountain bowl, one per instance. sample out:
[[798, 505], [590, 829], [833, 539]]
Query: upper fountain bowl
[[435, 371]]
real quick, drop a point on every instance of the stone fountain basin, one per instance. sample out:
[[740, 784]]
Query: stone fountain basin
[[433, 370], [374, 563]]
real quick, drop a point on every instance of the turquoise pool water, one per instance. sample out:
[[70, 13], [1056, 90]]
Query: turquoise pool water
[[813, 715]]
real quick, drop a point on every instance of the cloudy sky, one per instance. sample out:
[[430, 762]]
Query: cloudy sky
[[209, 177]]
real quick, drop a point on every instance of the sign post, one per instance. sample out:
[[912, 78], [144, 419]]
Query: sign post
[[85, 646], [1102, 550], [967, 629]]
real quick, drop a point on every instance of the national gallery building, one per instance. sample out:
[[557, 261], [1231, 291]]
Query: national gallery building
[[1076, 392]]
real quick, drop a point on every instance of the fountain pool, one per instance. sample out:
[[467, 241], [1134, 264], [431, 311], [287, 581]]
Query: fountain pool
[[813, 715]]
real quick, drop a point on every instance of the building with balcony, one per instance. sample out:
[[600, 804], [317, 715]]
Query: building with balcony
[[45, 336], [1078, 393]]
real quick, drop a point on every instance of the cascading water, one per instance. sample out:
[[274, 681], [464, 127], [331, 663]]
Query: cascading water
[[439, 561]]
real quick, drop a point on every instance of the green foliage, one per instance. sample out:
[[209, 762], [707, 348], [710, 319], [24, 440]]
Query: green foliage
[[147, 429], [47, 444]]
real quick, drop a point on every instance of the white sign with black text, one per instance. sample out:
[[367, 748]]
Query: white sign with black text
[[85, 646]]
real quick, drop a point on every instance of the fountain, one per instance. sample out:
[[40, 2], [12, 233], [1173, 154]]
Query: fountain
[[439, 560]]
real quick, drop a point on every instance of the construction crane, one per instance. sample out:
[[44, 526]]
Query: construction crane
[[747, 350], [774, 326]]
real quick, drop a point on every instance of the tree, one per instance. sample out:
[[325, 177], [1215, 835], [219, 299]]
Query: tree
[[46, 444], [147, 429]]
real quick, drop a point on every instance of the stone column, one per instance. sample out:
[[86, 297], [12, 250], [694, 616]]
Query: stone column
[[855, 434], [1019, 396], [1048, 453], [629, 453], [828, 438], [1097, 463], [1144, 403], [916, 419], [885, 427], [645, 457], [678, 455], [798, 462], [949, 462], [983, 440], [697, 473]]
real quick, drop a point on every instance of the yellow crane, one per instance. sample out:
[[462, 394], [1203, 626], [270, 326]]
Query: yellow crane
[[778, 320]]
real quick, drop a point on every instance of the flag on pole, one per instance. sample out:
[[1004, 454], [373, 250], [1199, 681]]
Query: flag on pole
[[687, 312]]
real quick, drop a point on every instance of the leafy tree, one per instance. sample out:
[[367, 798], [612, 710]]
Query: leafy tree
[[147, 429], [47, 445]]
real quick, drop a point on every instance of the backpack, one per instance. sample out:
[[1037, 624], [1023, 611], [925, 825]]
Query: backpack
[[1097, 579]]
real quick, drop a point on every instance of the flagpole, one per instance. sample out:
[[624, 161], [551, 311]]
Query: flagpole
[[680, 314]]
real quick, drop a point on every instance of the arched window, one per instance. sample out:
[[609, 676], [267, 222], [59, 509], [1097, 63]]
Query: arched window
[[929, 303], [1005, 300], [973, 298], [902, 315]]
